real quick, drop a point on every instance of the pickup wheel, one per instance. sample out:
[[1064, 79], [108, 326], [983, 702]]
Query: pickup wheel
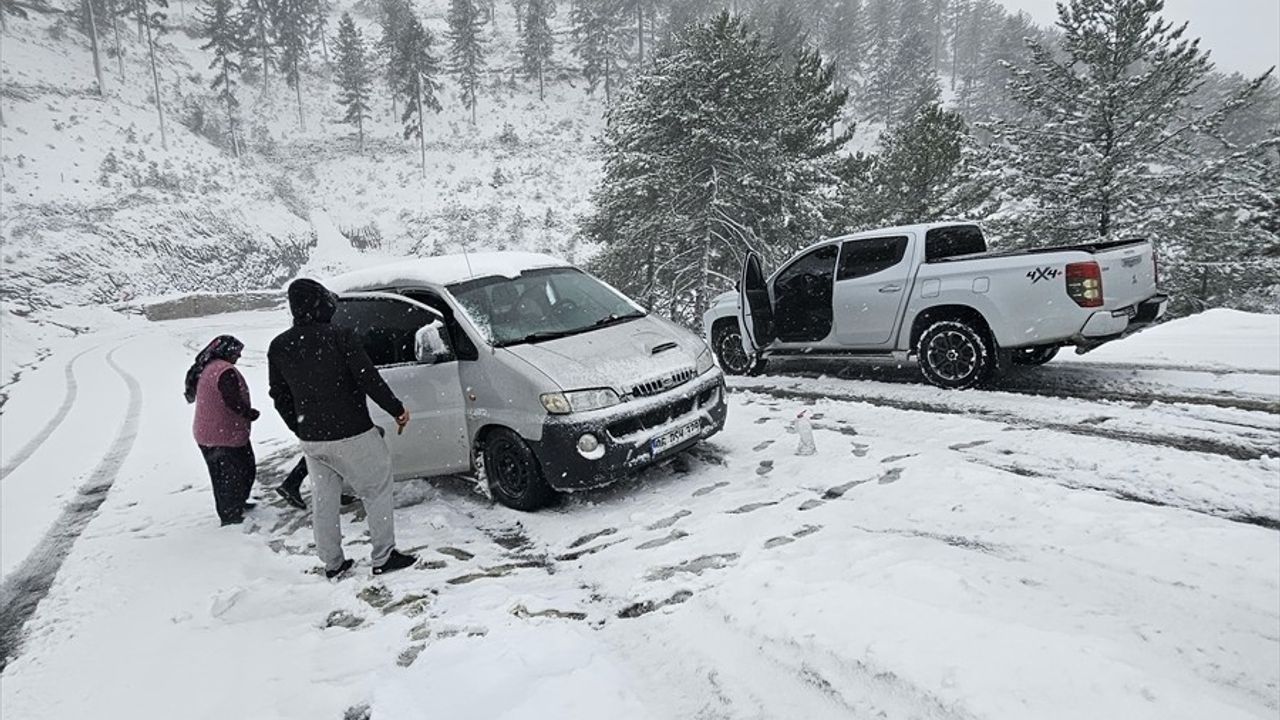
[[726, 339], [513, 472], [1035, 355], [955, 355]]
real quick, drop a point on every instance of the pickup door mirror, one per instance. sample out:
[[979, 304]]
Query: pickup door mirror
[[429, 345]]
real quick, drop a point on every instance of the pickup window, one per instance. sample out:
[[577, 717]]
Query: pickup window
[[946, 242], [860, 258]]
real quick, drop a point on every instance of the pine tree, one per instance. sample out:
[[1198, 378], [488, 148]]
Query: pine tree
[[418, 84], [153, 25], [1108, 143], [927, 169], [598, 36], [354, 77], [393, 17], [844, 39], [257, 18], [466, 49], [294, 28], [224, 41], [519, 7], [720, 147], [537, 41]]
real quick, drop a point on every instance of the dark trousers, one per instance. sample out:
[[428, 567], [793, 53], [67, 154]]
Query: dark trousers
[[231, 470], [296, 476]]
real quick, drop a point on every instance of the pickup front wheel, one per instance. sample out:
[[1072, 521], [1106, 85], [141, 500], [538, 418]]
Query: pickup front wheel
[[726, 338], [954, 355]]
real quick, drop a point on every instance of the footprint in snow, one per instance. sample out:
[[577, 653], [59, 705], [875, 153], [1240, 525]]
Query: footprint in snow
[[896, 458], [891, 476], [774, 542], [592, 536], [967, 445], [840, 490], [860, 450], [811, 503], [455, 553], [668, 521], [666, 540], [709, 489], [763, 445], [763, 420], [766, 467], [751, 507]]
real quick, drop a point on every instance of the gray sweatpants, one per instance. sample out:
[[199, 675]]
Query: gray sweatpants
[[362, 462]]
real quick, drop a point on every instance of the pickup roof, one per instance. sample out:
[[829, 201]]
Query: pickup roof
[[935, 292]]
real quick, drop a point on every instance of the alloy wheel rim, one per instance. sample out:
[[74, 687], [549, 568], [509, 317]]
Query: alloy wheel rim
[[731, 352], [952, 355]]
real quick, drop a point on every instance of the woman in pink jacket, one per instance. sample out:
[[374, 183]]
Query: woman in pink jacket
[[221, 427]]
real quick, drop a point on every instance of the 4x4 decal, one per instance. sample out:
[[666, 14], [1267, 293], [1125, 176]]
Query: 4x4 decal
[[1044, 273]]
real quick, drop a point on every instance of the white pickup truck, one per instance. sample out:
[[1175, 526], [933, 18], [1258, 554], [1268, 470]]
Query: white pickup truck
[[933, 291]]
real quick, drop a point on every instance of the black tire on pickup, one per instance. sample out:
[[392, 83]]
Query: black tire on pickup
[[726, 343], [1034, 355], [955, 355], [513, 472]]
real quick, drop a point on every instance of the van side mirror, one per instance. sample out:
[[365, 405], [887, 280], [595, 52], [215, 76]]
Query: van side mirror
[[430, 347]]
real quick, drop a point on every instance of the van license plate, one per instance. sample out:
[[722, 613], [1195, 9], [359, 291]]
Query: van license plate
[[666, 441]]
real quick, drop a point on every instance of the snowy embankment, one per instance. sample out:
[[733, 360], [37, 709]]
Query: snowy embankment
[[944, 555]]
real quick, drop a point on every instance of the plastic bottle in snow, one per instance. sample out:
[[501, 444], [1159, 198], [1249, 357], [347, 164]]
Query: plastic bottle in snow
[[805, 430]]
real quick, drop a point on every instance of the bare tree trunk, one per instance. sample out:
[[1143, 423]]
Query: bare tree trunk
[[93, 45], [640, 28], [324, 44], [231, 118], [297, 86], [115, 30], [422, 125], [608, 80], [155, 78], [142, 16], [262, 47], [541, 94]]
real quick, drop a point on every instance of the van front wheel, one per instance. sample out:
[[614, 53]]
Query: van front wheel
[[513, 472]]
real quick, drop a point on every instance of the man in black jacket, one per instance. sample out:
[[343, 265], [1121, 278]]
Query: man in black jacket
[[320, 376]]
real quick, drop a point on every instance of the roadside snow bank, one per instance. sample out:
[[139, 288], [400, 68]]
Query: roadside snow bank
[[1228, 339]]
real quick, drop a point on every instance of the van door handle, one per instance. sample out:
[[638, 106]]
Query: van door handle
[[891, 288]]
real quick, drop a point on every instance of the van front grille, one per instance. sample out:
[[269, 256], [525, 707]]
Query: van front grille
[[663, 383], [650, 419]]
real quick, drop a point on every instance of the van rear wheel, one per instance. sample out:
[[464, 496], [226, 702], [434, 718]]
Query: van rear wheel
[[513, 472]]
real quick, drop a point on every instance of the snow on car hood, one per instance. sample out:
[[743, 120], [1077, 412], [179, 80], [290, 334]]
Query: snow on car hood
[[615, 357]]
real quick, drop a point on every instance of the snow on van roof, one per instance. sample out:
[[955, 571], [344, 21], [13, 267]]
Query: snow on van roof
[[444, 270]]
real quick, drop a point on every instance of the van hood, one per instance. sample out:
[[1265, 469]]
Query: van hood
[[617, 357]]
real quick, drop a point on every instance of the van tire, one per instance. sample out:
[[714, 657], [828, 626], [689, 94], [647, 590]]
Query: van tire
[[512, 471], [726, 343], [955, 355]]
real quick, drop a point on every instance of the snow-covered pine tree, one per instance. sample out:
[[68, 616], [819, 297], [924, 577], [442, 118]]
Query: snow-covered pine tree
[[927, 169], [1108, 143], [599, 38], [417, 77], [320, 30], [219, 25], [785, 31], [258, 18], [467, 49], [537, 42], [393, 16], [882, 47], [845, 39], [294, 28], [518, 6], [354, 76], [713, 152]]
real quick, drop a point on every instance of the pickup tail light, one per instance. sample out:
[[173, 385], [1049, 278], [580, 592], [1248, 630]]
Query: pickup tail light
[[1084, 284]]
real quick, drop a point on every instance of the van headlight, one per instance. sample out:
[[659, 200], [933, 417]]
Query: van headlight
[[704, 360], [563, 403]]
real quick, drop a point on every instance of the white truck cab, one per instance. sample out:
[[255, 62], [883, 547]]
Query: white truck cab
[[933, 291]]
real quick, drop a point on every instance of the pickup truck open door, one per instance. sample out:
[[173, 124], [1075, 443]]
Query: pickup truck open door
[[755, 308]]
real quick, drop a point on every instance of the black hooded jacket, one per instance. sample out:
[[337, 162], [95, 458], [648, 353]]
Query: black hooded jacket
[[320, 374]]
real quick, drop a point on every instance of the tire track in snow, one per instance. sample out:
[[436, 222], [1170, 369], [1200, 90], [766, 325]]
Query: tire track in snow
[[24, 588], [68, 400]]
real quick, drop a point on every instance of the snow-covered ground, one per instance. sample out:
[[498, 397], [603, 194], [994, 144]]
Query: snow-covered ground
[[1009, 554]]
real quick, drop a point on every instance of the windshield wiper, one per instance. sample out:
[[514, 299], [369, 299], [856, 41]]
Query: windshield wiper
[[613, 319]]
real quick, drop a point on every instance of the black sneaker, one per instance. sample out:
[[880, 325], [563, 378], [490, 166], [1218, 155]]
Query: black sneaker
[[348, 499], [237, 520], [342, 569], [395, 561], [292, 496]]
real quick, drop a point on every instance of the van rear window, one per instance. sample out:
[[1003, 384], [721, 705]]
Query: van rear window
[[946, 242]]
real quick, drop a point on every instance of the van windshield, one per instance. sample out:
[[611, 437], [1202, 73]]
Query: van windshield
[[541, 304]]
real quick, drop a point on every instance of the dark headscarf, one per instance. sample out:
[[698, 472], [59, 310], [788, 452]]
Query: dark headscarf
[[310, 302], [223, 347]]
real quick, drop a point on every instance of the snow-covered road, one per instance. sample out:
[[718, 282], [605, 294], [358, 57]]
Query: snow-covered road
[[1013, 554]]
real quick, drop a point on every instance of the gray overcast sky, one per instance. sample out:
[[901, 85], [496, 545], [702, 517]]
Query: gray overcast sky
[[1242, 35]]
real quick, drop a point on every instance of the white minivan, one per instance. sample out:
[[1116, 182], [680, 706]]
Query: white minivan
[[528, 372]]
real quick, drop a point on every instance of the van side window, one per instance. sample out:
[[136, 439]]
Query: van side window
[[860, 258], [465, 349], [945, 242], [384, 327]]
